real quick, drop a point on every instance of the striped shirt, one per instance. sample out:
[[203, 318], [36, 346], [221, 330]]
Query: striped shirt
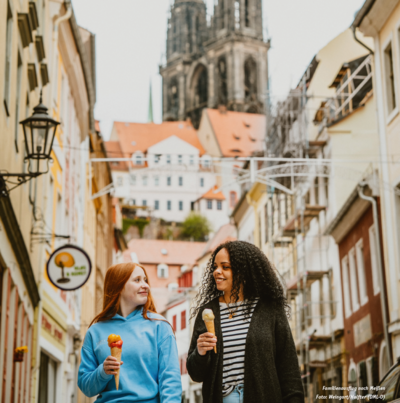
[[234, 333]]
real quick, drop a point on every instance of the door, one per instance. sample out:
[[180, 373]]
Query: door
[[390, 385], [47, 379]]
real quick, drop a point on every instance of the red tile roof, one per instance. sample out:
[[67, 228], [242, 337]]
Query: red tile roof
[[140, 136], [114, 151], [238, 133], [149, 251], [226, 233], [213, 196]]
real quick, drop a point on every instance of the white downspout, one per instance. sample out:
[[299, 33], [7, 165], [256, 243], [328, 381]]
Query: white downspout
[[57, 22], [385, 315], [53, 82], [392, 279]]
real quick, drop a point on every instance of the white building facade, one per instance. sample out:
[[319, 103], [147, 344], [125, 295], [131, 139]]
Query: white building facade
[[168, 176]]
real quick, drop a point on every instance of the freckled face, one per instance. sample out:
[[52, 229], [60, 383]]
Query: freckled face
[[136, 289], [222, 271]]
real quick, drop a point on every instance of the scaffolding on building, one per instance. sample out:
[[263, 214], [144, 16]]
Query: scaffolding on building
[[295, 209]]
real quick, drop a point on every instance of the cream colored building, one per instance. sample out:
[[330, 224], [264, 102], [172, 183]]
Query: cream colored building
[[43, 49], [380, 20]]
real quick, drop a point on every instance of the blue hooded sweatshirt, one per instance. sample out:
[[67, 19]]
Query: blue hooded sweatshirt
[[150, 372]]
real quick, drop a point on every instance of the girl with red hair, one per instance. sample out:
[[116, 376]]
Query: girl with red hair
[[150, 372]]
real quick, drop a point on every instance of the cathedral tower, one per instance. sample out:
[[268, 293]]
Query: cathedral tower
[[220, 63]]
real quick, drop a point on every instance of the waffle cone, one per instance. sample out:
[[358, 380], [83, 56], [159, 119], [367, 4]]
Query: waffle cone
[[211, 329], [116, 352]]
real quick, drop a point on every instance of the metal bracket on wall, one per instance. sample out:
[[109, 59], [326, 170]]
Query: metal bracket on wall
[[20, 179]]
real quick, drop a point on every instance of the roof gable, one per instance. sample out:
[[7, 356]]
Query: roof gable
[[150, 251], [212, 195], [238, 134], [173, 145], [140, 136]]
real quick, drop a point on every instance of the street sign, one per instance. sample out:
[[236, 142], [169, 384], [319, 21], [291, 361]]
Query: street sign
[[69, 267]]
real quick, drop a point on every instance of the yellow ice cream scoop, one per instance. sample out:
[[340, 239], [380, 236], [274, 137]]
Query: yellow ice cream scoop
[[113, 338], [208, 314], [208, 317]]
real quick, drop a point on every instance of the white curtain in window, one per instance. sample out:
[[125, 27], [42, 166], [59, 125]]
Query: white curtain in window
[[361, 272], [374, 259], [346, 288], [353, 281]]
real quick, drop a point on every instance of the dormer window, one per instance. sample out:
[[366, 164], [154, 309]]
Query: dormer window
[[206, 161], [162, 271], [138, 158]]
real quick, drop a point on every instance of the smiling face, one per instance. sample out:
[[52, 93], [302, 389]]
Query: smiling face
[[222, 271], [136, 289]]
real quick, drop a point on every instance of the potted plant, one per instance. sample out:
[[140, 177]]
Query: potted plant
[[19, 353]]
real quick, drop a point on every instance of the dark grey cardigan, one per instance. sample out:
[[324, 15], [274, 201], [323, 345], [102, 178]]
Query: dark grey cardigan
[[271, 372]]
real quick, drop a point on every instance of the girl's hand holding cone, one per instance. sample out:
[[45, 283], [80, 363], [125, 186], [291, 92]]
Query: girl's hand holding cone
[[111, 365], [206, 342]]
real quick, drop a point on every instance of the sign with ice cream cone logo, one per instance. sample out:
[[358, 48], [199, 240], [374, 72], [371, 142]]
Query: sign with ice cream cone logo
[[69, 267]]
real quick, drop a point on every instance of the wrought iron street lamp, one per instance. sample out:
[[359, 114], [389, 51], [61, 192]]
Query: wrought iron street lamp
[[39, 132]]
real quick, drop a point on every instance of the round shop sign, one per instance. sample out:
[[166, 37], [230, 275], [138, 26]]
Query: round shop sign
[[69, 267]]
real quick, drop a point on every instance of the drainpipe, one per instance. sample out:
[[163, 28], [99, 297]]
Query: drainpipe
[[380, 268], [57, 22], [53, 82], [353, 28]]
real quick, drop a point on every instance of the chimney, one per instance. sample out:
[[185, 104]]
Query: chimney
[[222, 109]]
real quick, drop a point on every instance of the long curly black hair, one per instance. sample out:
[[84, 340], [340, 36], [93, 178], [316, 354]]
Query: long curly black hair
[[251, 268]]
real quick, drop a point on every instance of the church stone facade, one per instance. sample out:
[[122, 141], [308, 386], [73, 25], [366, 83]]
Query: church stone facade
[[222, 62]]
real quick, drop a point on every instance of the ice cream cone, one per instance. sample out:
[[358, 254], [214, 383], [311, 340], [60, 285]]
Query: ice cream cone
[[116, 352], [211, 329], [115, 344]]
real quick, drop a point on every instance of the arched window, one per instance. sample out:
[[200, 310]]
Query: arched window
[[222, 14], [222, 81], [250, 80], [162, 271], [237, 14], [246, 13], [352, 377], [173, 95], [199, 86], [198, 94], [189, 27], [383, 360]]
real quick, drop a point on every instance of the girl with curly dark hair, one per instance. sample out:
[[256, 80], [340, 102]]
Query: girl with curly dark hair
[[255, 359]]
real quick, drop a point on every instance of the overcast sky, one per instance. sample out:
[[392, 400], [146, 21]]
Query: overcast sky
[[130, 44]]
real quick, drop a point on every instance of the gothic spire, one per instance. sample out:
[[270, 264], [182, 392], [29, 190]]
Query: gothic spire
[[150, 114]]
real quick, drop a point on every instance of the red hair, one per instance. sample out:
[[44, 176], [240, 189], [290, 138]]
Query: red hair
[[116, 278]]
